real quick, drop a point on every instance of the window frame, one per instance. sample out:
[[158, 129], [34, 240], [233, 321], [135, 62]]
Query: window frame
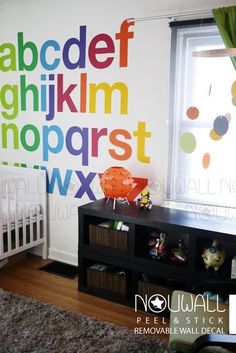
[[171, 197]]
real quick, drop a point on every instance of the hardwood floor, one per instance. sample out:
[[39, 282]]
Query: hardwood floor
[[25, 278]]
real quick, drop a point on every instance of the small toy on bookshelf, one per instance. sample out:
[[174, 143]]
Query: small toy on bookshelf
[[179, 254], [144, 201], [116, 225], [214, 255], [119, 225], [157, 244]]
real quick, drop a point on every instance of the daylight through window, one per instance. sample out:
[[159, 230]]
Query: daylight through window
[[202, 165]]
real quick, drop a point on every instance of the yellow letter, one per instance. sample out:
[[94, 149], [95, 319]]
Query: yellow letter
[[141, 135], [108, 90]]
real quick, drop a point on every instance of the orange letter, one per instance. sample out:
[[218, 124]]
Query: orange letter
[[83, 92], [123, 36], [127, 149]]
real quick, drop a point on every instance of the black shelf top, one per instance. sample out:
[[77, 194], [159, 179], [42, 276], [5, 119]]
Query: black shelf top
[[162, 215]]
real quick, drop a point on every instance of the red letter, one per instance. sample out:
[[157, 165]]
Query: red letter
[[93, 51], [141, 183], [123, 36], [95, 138], [64, 95]]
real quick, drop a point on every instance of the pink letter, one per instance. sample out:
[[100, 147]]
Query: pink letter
[[93, 51]]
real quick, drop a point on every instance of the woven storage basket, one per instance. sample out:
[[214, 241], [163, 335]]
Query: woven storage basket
[[108, 237], [107, 281], [151, 289]]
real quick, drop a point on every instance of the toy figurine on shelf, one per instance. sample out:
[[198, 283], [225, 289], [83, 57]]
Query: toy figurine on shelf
[[144, 201], [214, 255], [179, 254], [157, 245]]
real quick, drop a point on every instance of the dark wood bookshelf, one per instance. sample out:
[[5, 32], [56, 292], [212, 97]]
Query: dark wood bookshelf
[[197, 231]]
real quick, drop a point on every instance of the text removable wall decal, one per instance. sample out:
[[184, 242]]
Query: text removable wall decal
[[52, 94]]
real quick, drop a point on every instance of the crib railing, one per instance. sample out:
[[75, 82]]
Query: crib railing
[[23, 218]]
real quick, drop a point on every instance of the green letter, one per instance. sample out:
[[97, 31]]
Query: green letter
[[13, 104], [24, 89], [36, 138], [21, 54], [11, 57], [15, 135]]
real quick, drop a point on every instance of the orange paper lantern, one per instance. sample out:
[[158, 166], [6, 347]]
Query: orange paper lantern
[[116, 182]]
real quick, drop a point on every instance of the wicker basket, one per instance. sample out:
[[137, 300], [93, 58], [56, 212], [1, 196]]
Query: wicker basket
[[108, 237], [107, 281], [152, 289]]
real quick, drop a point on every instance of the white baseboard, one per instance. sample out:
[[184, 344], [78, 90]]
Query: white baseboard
[[63, 256], [57, 255]]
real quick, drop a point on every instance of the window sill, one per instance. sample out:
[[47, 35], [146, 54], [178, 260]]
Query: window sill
[[221, 212]]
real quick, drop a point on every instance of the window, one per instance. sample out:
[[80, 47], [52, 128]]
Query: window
[[202, 163]]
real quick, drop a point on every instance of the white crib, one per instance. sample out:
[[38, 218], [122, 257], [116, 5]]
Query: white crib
[[23, 211]]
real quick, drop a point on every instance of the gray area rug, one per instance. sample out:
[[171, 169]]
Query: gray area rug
[[28, 326]]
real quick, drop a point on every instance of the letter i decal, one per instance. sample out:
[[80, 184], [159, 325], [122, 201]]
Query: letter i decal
[[43, 94]]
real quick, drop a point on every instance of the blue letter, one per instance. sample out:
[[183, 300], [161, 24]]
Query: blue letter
[[56, 179], [44, 63], [54, 148]]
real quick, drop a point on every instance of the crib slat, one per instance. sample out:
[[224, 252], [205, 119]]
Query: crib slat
[[31, 227], [24, 220], [32, 191], [9, 243], [17, 234], [37, 209], [38, 224], [16, 215], [24, 229], [8, 190]]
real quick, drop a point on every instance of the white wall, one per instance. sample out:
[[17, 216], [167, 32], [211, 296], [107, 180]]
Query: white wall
[[147, 79]]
